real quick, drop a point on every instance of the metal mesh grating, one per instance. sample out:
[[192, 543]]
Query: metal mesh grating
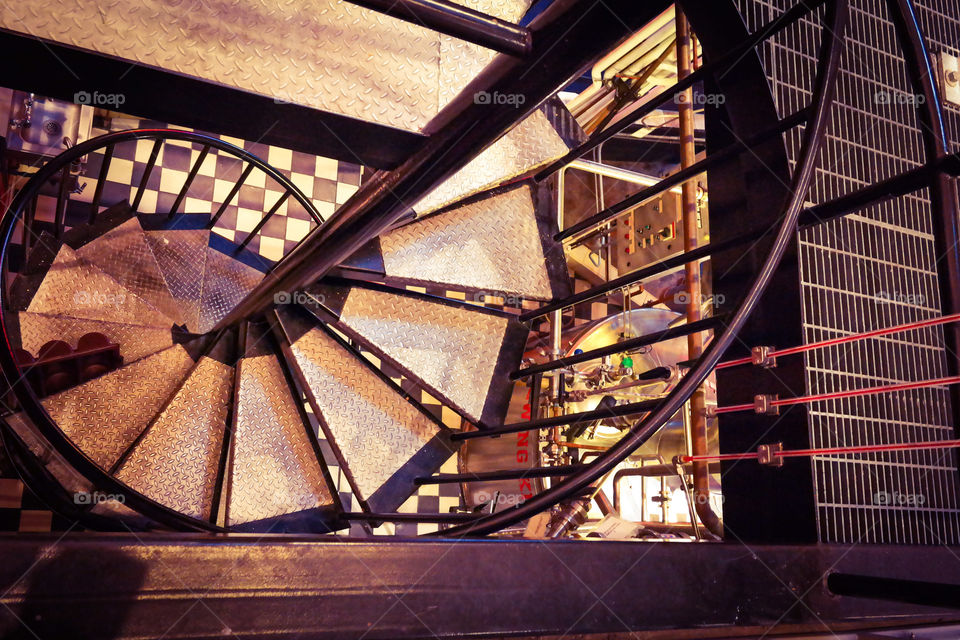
[[869, 270]]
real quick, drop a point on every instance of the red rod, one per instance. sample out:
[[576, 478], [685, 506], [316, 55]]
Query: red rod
[[904, 386], [922, 324], [797, 453]]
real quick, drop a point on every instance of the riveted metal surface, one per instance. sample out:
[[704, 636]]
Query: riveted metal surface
[[450, 349], [225, 283], [123, 254], [493, 244], [532, 143], [106, 414], [273, 468], [136, 341], [376, 430], [331, 55], [74, 287], [176, 462], [182, 256]]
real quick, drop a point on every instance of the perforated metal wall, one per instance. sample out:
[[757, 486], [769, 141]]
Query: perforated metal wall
[[873, 269]]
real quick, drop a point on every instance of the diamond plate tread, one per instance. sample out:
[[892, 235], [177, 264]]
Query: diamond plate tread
[[105, 415], [177, 460], [375, 429], [466, 247], [182, 257], [136, 341], [454, 351], [532, 143], [123, 254], [225, 283], [74, 287], [273, 470], [332, 56]]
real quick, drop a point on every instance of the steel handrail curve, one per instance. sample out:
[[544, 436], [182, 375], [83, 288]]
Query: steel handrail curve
[[831, 48], [29, 402]]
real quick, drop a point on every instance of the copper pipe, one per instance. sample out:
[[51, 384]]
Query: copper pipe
[[688, 152]]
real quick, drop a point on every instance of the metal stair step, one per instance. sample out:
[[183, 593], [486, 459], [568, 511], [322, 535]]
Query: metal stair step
[[383, 440], [500, 243], [124, 254], [177, 459], [181, 256], [74, 287], [461, 353], [33, 330], [533, 143], [226, 282], [103, 416], [274, 468]]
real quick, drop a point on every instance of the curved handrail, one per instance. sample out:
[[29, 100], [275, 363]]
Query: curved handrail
[[29, 402], [831, 49]]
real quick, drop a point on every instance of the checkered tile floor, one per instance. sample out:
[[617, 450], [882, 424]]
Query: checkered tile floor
[[327, 182]]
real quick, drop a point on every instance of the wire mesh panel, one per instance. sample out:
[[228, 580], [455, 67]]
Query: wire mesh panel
[[872, 269]]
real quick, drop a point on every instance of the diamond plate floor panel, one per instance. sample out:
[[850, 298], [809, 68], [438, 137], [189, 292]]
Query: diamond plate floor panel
[[124, 255], [332, 56], [74, 287], [273, 469], [136, 341], [104, 416], [182, 257], [493, 245], [177, 460], [460, 353], [374, 428], [225, 283], [532, 143]]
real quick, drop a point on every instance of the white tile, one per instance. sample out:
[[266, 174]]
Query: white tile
[[148, 203], [120, 171], [258, 178], [221, 189], [209, 166], [344, 191], [325, 209], [172, 180], [229, 234], [303, 182], [297, 229], [197, 205], [247, 219], [280, 158], [326, 168], [271, 248]]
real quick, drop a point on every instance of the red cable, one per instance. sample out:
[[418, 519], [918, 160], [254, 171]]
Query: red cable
[[796, 453], [922, 324], [836, 395]]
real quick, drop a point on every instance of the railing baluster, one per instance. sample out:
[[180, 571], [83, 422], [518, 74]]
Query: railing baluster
[[502, 474], [633, 343], [62, 197], [101, 180], [263, 221], [189, 181], [29, 216], [151, 163], [230, 196]]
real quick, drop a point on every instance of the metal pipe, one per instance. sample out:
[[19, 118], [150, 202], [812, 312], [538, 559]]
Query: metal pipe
[[609, 171], [501, 474], [457, 21], [566, 38], [694, 289]]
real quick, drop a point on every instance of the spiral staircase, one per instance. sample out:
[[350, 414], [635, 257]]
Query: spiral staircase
[[233, 369]]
